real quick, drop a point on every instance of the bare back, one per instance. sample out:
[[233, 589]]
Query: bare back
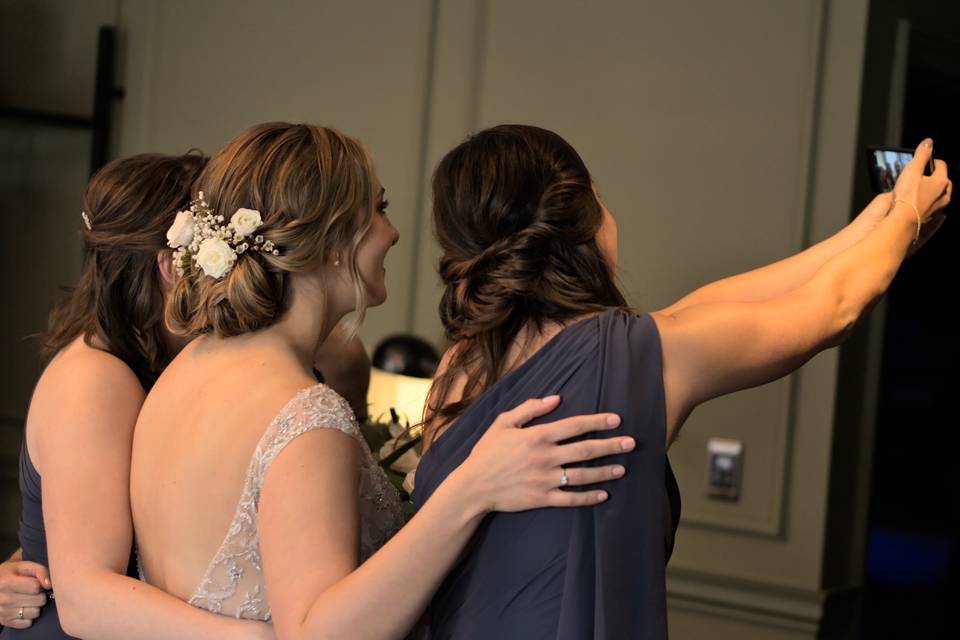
[[192, 448]]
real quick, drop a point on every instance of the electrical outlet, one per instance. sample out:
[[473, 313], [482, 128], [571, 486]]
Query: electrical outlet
[[724, 465]]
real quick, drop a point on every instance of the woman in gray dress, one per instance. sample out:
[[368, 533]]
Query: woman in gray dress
[[528, 259]]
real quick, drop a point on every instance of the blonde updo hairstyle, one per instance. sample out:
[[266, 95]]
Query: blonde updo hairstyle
[[314, 188]]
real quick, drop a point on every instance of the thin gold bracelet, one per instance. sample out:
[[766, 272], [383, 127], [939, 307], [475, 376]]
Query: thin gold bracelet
[[915, 210]]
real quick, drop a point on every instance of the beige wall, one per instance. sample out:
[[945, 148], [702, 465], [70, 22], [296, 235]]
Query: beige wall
[[198, 73], [721, 135]]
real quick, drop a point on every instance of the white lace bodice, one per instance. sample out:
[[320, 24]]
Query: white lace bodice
[[233, 583]]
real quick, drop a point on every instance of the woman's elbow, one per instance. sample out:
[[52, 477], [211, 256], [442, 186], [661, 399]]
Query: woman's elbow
[[71, 615], [74, 608], [845, 315]]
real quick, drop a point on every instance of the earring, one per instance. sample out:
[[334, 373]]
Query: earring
[[336, 263]]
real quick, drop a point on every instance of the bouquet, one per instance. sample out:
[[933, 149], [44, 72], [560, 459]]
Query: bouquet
[[398, 447]]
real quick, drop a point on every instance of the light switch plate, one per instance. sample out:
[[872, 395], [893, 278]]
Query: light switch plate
[[724, 467]]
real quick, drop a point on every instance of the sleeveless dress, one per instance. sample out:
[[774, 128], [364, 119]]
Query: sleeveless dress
[[33, 540], [233, 583], [573, 573]]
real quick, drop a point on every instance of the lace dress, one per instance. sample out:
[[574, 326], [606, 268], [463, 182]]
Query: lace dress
[[233, 583]]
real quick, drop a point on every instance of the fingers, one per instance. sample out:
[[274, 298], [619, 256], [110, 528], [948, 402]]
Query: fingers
[[11, 601], [560, 498], [35, 570], [521, 415], [578, 476], [921, 156], [16, 623], [939, 169], [37, 601], [591, 449], [944, 199], [22, 585], [577, 425]]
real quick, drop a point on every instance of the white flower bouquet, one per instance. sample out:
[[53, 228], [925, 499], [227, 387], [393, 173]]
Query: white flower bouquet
[[398, 448]]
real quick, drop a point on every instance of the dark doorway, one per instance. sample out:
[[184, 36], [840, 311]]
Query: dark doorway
[[913, 555]]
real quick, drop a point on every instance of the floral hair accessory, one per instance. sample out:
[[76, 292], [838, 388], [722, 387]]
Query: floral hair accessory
[[200, 236], [86, 220]]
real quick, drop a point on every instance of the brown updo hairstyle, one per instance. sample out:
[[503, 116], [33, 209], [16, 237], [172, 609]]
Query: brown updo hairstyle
[[130, 203], [516, 217], [314, 188]]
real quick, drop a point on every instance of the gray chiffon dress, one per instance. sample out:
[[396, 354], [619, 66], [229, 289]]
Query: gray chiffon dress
[[569, 573]]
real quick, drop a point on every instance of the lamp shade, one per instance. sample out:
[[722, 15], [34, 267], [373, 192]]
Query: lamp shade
[[405, 394]]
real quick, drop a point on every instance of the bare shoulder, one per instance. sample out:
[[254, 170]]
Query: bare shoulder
[[86, 386], [92, 372]]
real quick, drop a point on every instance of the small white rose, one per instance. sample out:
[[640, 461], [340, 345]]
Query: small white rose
[[181, 231], [215, 257], [246, 221]]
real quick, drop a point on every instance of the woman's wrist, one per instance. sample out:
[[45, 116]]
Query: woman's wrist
[[468, 497], [908, 215]]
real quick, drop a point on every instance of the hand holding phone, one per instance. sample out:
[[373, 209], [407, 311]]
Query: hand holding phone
[[924, 194], [885, 165]]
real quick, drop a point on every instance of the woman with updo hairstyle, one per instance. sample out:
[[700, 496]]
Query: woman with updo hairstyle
[[253, 492], [106, 344], [531, 307]]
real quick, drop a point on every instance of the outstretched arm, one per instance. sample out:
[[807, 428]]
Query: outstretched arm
[[714, 348], [790, 273]]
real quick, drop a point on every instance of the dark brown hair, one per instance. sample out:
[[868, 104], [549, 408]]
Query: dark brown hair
[[314, 188], [130, 203], [516, 216]]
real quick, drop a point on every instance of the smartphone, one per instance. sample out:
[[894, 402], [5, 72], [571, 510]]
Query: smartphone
[[885, 165]]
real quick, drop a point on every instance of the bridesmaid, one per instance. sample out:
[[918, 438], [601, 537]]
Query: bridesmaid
[[531, 306]]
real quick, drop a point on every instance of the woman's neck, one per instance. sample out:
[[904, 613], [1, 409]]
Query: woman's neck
[[528, 341], [305, 324]]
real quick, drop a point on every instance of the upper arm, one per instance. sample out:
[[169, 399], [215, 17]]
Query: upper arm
[[713, 349], [309, 523], [85, 427]]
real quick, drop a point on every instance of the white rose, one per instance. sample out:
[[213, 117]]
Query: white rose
[[215, 257], [181, 231], [246, 221]]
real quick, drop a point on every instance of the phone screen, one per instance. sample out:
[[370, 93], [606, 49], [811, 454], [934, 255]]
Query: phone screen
[[885, 165]]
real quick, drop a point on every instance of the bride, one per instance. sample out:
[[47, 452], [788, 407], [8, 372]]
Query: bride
[[246, 473]]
